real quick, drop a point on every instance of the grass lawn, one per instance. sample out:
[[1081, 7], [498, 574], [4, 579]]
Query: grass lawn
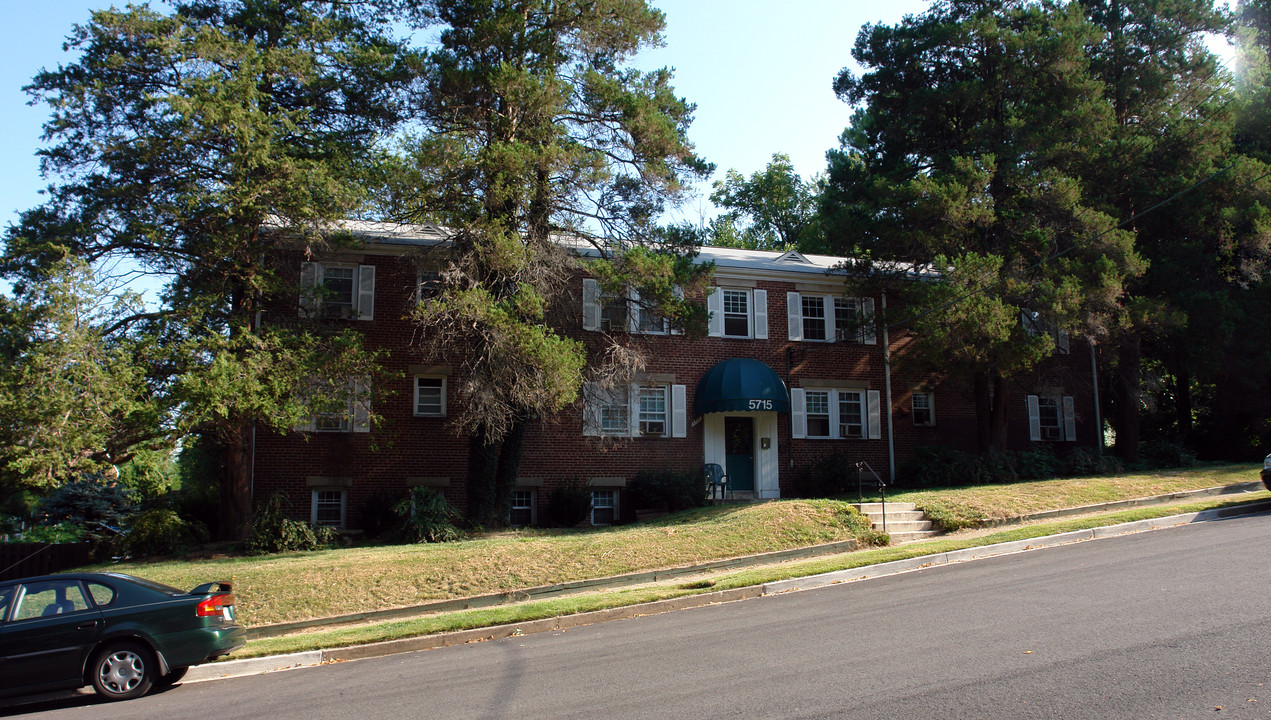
[[303, 586]]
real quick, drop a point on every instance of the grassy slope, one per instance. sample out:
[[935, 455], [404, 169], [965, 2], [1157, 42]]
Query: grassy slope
[[310, 585]]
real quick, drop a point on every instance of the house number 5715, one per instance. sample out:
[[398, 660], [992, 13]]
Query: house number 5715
[[760, 404]]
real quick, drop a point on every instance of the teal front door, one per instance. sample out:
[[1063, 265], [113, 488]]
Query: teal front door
[[739, 453]]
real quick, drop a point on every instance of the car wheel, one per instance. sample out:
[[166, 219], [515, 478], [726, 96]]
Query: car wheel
[[123, 671], [173, 677]]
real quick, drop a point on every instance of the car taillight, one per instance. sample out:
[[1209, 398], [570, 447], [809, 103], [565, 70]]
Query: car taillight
[[215, 605]]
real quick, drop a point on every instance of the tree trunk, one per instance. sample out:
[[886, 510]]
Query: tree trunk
[[997, 435], [983, 413], [505, 474], [236, 483], [483, 463], [1183, 404], [1127, 387]]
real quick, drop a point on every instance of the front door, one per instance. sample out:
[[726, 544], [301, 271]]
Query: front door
[[739, 453]]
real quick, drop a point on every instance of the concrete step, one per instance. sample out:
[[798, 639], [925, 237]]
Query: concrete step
[[903, 515], [904, 525], [874, 507]]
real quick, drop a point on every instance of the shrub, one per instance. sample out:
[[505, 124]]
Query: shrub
[[569, 503], [377, 516], [938, 466], [273, 531], [1087, 461], [161, 531], [98, 506], [1165, 454], [667, 489], [427, 517]]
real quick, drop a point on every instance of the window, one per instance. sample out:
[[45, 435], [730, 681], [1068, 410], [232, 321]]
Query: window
[[51, 597], [337, 290], [835, 413], [818, 413], [636, 410], [1051, 418], [328, 508], [522, 508], [430, 396], [337, 282], [813, 317], [1036, 325], [736, 313], [822, 318], [851, 414], [428, 284], [613, 313], [353, 415], [651, 321], [653, 411], [604, 507], [923, 408]]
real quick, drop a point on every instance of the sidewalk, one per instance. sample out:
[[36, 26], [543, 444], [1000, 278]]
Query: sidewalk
[[254, 666]]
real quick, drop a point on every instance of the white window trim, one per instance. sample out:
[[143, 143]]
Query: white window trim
[[614, 506], [311, 280], [756, 312], [866, 332], [596, 398], [931, 408], [1065, 407], [344, 503], [873, 429], [444, 387]]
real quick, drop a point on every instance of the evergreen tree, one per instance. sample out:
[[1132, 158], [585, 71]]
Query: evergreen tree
[[964, 159], [195, 146], [532, 129]]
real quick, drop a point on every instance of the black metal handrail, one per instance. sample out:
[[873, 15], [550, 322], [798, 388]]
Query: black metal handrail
[[860, 485]]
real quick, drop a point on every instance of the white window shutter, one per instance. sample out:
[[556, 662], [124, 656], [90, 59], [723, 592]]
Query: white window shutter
[[1034, 419], [678, 292], [874, 403], [868, 332], [834, 415], [633, 311], [365, 292], [591, 305], [1070, 420], [798, 412], [361, 405], [679, 411], [1061, 342], [759, 299], [831, 332], [308, 282], [633, 410], [715, 304], [591, 408], [794, 315]]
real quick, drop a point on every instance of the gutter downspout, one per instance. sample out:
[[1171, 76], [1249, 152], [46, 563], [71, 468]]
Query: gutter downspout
[[891, 433]]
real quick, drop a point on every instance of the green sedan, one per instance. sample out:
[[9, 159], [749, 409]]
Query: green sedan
[[121, 634]]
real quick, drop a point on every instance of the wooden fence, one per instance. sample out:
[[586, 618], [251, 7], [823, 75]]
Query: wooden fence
[[18, 560]]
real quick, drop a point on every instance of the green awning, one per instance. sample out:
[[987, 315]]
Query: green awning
[[740, 385]]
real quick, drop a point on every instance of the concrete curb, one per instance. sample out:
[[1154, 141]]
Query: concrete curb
[[275, 663]]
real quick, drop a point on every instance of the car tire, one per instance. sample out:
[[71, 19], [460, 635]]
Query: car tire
[[172, 678], [122, 671]]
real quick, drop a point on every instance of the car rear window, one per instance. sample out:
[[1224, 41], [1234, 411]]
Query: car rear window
[[103, 595]]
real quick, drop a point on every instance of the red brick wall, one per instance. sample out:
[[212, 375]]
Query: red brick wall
[[405, 446]]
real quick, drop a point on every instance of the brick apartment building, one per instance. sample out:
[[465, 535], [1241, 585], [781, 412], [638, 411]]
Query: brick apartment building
[[792, 370]]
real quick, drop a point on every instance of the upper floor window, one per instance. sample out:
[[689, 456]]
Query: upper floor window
[[738, 313], [430, 396], [337, 290], [1036, 325], [621, 312], [825, 318], [835, 413]]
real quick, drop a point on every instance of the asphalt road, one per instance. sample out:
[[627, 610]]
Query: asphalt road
[[1169, 624]]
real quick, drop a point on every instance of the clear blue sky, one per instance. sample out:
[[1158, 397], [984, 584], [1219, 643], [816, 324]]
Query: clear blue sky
[[759, 72]]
